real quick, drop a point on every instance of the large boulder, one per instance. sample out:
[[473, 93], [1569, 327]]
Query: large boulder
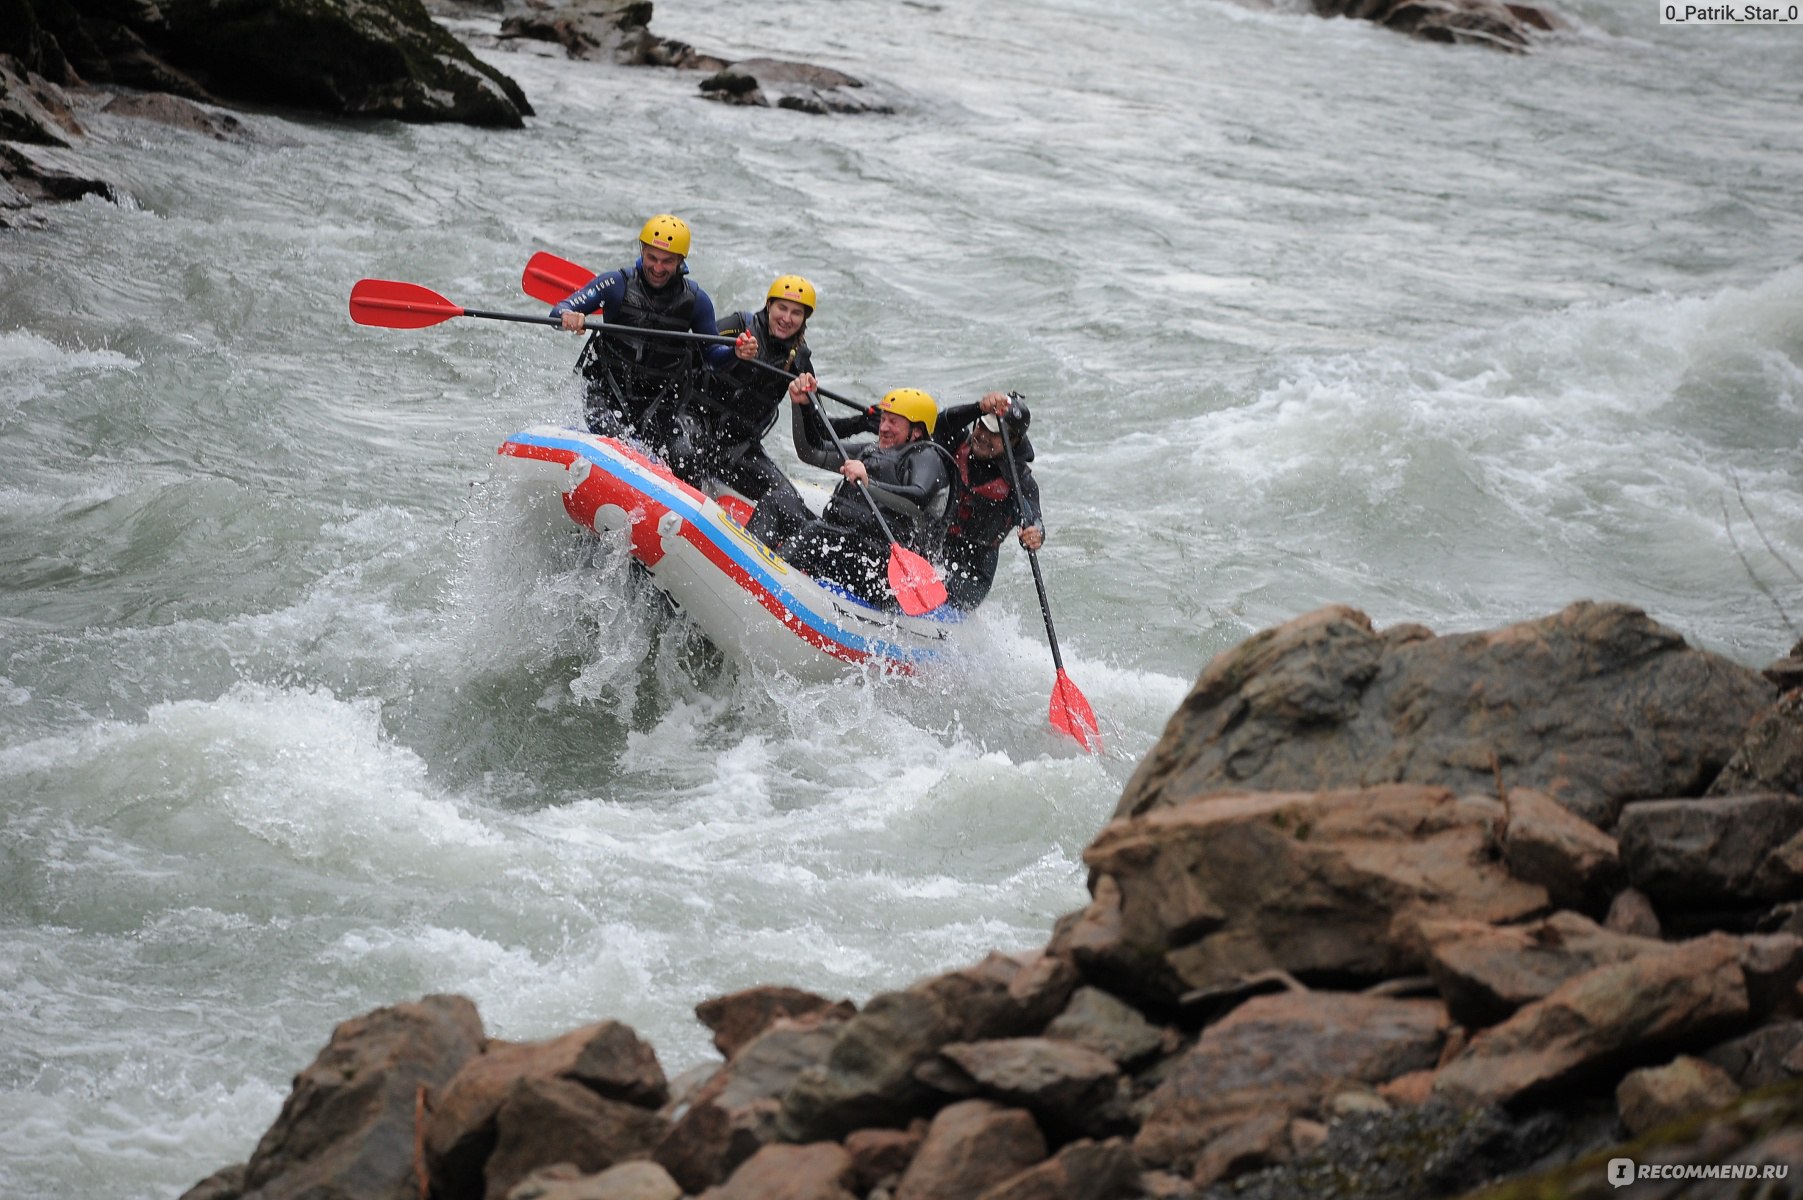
[[362, 58], [1594, 705], [347, 1129], [1200, 896]]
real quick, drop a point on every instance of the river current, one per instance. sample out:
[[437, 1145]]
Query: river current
[[306, 707]]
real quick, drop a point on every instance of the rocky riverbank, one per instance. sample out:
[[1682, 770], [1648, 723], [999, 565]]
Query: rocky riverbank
[[1383, 914]]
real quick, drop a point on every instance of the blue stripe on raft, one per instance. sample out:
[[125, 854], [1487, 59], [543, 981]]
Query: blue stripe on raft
[[658, 490]]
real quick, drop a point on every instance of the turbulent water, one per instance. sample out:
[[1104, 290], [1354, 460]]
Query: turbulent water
[[306, 707]]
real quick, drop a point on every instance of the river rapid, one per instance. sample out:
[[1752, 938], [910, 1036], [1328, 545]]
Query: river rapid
[[306, 707]]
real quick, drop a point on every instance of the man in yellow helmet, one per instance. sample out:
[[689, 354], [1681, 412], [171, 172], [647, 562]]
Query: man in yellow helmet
[[906, 472], [735, 405], [638, 382]]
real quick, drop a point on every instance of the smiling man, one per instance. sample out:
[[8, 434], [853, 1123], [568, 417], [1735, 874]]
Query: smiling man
[[637, 383]]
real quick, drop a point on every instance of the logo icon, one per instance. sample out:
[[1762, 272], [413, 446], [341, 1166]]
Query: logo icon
[[1621, 1171]]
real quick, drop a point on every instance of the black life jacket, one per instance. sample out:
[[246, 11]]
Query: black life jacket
[[917, 529], [670, 307], [749, 396]]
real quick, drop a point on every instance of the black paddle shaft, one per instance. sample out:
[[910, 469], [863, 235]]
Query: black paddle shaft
[[1020, 503]]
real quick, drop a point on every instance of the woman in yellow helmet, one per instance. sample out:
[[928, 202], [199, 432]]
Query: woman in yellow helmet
[[637, 384], [906, 472], [736, 403]]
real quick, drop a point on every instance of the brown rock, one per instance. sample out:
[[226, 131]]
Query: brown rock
[[607, 1058], [1632, 913], [628, 1181], [1329, 883], [1098, 1021], [1061, 1083], [1083, 1170], [819, 1171], [1546, 843], [735, 1113], [1252, 1138], [1486, 972], [1656, 1096], [348, 1124], [1593, 705], [878, 1154], [739, 1017], [970, 1147], [1769, 1055], [869, 1076], [1685, 991], [544, 1120], [1281, 1054]]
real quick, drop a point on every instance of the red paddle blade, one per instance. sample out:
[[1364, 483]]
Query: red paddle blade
[[395, 305], [550, 278], [1072, 716], [916, 584]]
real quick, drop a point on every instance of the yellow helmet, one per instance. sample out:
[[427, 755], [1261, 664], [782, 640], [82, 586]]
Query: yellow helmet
[[792, 287], [666, 232], [913, 404]]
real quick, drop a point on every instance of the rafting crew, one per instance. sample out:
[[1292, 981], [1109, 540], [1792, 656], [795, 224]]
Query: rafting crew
[[637, 383], [905, 472], [737, 402]]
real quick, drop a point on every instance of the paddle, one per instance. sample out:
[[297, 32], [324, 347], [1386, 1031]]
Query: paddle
[[916, 585], [551, 279], [391, 304], [1070, 712]]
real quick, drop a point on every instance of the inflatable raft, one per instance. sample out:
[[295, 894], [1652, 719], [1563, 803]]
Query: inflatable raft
[[741, 595]]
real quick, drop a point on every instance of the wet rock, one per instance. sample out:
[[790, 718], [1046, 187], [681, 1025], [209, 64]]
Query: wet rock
[[1234, 884], [32, 109], [179, 113], [1508, 27], [769, 82], [347, 1128], [1594, 706]]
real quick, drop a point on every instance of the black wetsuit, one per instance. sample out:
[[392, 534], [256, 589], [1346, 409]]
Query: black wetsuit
[[982, 509], [733, 407], [638, 383], [845, 544]]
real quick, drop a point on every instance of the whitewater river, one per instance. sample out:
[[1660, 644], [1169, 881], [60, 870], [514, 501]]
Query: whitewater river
[[306, 707]]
